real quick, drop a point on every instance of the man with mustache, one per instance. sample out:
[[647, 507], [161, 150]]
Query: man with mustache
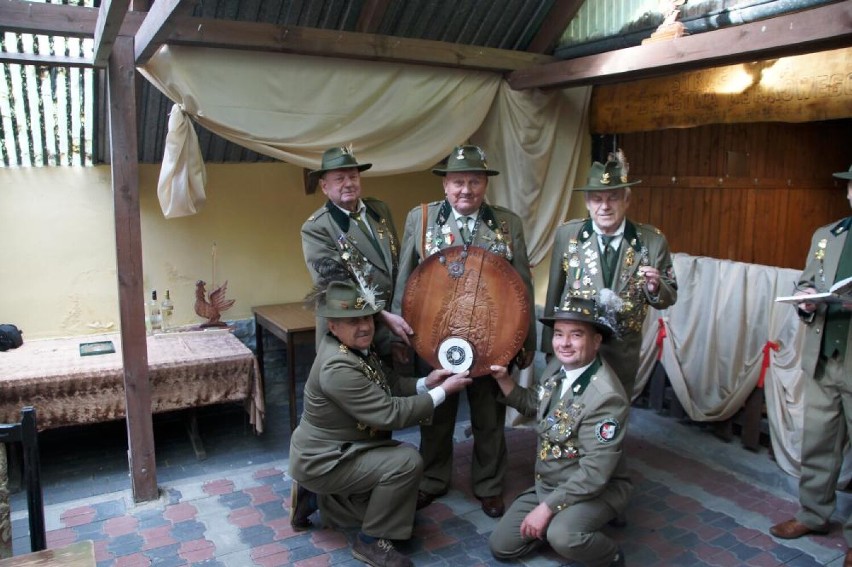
[[343, 459]]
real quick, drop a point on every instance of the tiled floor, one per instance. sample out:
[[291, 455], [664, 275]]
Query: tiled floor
[[698, 501]]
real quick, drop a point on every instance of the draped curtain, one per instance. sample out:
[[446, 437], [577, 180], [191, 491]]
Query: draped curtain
[[715, 342], [401, 118]]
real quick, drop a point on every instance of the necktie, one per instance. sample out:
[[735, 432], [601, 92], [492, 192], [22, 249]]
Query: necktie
[[608, 259], [464, 229], [366, 230]]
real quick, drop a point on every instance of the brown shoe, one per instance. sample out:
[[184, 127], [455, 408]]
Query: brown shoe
[[492, 505], [847, 562], [380, 553], [302, 505], [793, 528], [424, 498]]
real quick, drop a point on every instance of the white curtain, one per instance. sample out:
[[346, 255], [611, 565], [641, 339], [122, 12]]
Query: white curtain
[[715, 340], [401, 118]]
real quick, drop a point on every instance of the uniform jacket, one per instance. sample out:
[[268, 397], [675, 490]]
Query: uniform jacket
[[575, 266], [331, 233], [499, 231], [580, 436], [350, 406], [820, 272]]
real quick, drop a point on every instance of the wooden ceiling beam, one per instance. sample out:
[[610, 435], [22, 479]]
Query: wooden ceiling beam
[[48, 60], [158, 26], [58, 19], [817, 29], [553, 25], [353, 45], [110, 17], [371, 16]]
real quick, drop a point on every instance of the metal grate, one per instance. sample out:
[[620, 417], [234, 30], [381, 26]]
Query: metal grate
[[46, 113]]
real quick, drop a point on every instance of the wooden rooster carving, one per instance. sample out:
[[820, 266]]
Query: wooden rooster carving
[[211, 308]]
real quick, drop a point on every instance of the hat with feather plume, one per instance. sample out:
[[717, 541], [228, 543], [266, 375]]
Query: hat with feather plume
[[610, 175], [339, 294]]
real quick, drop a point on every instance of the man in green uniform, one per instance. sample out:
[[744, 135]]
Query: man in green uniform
[[342, 454], [827, 395], [608, 251], [464, 218], [357, 232], [581, 480]]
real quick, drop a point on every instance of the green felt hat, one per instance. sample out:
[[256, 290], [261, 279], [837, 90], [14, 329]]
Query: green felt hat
[[844, 174], [583, 309], [339, 158], [465, 158], [609, 175], [345, 299]]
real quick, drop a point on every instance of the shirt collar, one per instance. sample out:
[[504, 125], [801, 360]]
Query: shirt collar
[[619, 231], [458, 215], [359, 209], [572, 375]]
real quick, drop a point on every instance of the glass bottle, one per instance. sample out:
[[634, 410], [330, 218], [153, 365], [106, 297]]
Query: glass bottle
[[167, 309], [154, 314]]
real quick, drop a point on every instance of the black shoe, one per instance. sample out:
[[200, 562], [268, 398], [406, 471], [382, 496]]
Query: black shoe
[[619, 521], [302, 505], [492, 506], [424, 498], [380, 553]]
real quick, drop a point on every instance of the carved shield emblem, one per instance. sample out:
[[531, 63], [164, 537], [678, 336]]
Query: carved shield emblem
[[472, 295]]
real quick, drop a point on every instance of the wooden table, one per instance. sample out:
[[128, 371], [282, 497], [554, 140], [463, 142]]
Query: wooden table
[[80, 554], [289, 322]]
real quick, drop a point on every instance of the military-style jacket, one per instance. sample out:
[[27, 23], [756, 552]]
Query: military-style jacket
[[498, 230], [331, 233], [820, 272], [580, 436], [351, 405]]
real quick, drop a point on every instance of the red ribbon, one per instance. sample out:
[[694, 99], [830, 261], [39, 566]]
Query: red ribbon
[[661, 334], [767, 358]]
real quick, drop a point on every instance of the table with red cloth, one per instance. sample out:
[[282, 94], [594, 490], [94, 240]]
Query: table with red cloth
[[185, 369]]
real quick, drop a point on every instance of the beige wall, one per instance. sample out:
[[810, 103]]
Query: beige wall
[[57, 261], [57, 266]]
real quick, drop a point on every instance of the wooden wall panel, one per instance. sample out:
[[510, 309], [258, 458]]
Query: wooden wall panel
[[764, 214]]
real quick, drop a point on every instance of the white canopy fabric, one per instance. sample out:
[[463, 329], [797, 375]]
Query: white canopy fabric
[[400, 118]]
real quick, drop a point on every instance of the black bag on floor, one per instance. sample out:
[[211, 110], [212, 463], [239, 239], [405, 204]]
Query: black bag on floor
[[10, 337]]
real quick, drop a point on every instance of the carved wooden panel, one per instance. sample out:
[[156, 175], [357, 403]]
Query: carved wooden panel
[[479, 298]]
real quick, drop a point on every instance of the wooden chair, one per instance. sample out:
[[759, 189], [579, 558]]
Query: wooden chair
[[26, 434]]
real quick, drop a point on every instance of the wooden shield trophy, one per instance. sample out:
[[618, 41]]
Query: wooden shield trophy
[[469, 310]]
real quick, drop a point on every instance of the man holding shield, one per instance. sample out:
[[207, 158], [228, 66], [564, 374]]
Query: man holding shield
[[464, 219]]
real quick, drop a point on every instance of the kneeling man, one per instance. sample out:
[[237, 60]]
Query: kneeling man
[[581, 480], [342, 457]]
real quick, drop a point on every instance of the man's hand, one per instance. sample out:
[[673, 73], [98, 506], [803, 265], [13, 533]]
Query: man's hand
[[652, 279], [397, 325], [535, 523], [504, 379], [399, 352], [806, 306], [450, 384]]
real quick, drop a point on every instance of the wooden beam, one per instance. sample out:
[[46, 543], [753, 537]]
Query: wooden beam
[[826, 27], [370, 18], [110, 16], [121, 70], [48, 60], [57, 19], [331, 43], [158, 25], [553, 25]]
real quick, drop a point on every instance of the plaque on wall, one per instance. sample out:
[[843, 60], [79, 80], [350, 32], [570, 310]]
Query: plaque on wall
[[469, 310]]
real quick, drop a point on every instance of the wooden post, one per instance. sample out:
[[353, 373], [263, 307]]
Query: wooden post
[[121, 71]]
